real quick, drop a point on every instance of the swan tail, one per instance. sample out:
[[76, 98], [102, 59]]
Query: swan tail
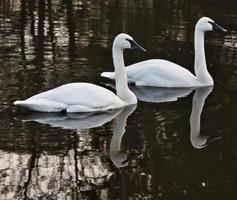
[[17, 102], [42, 105], [109, 75]]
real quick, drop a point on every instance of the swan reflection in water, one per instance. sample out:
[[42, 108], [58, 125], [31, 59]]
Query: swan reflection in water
[[72, 121], [119, 158], [199, 141], [157, 94], [91, 120], [82, 121]]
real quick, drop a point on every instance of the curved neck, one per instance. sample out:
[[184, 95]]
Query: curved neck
[[195, 117], [200, 66], [121, 81], [116, 155]]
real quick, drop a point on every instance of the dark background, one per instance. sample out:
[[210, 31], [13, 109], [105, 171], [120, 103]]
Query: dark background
[[46, 43]]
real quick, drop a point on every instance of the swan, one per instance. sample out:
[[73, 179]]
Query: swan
[[199, 141], [163, 73], [87, 97]]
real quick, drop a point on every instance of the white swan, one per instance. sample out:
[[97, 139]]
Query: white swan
[[86, 97], [199, 141], [163, 73]]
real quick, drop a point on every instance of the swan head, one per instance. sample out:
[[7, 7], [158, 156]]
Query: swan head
[[199, 142], [125, 41], [203, 141], [207, 24]]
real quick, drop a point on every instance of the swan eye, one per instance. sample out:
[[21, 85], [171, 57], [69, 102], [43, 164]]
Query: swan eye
[[134, 45], [216, 27], [213, 24], [130, 41]]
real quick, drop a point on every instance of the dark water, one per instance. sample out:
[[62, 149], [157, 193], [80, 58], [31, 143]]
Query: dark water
[[162, 154]]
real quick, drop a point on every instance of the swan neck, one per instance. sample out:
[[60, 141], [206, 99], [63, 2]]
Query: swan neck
[[200, 66], [119, 129], [195, 116], [121, 81], [197, 107], [118, 132]]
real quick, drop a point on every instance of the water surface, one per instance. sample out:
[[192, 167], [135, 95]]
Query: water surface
[[151, 151]]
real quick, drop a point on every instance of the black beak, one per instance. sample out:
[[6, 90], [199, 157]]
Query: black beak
[[216, 27], [212, 139], [134, 45]]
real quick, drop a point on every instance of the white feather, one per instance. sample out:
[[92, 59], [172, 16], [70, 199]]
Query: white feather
[[163, 73], [86, 97]]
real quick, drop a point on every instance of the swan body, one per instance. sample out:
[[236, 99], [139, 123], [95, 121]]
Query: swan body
[[158, 73], [163, 73], [73, 97], [87, 97]]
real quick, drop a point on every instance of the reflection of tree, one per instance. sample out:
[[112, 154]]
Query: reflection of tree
[[23, 22], [41, 29], [43, 172], [39, 42], [51, 28], [71, 29], [32, 161]]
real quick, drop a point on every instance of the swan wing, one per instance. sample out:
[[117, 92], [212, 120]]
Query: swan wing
[[74, 97], [160, 73], [42, 105]]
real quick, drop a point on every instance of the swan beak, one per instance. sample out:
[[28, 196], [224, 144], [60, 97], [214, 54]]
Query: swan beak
[[134, 45], [211, 140], [217, 27]]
